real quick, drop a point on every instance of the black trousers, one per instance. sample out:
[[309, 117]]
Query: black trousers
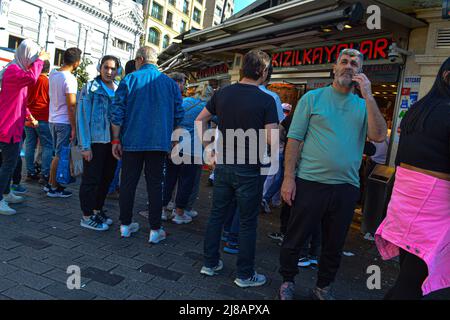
[[315, 203], [182, 175], [413, 272], [132, 164], [17, 174], [97, 176]]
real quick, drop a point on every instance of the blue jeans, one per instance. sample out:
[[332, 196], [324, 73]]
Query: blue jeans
[[244, 184], [277, 181], [45, 138], [184, 175], [195, 190], [60, 135], [232, 224], [10, 154]]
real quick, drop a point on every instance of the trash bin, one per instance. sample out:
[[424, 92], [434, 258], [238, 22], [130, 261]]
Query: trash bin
[[377, 196]]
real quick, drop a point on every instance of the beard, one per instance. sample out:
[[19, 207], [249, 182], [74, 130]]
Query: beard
[[345, 79]]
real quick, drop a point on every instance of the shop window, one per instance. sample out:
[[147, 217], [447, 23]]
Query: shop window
[[14, 42], [154, 36]]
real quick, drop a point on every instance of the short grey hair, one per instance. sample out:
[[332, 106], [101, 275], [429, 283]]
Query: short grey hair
[[352, 53], [148, 54]]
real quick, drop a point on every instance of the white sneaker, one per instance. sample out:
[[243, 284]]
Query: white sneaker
[[171, 206], [183, 219], [5, 209], [212, 271], [126, 231], [12, 198], [157, 236], [166, 216], [191, 213]]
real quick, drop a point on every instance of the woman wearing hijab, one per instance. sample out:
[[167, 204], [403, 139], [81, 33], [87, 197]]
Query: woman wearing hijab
[[417, 224], [23, 71]]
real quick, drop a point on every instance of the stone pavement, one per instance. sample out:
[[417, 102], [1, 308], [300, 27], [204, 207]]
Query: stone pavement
[[44, 238]]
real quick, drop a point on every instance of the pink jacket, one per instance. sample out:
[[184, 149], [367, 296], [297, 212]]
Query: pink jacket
[[13, 100]]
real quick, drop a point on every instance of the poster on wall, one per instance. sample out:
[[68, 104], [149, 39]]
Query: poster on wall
[[409, 95]]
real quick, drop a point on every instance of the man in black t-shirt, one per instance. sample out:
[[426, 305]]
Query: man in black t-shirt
[[243, 110]]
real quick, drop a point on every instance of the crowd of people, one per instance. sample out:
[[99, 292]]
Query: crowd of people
[[125, 127]]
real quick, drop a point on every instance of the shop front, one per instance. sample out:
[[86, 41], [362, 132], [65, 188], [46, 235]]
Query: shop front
[[296, 71]]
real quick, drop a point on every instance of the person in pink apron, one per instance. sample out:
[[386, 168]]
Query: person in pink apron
[[417, 224]]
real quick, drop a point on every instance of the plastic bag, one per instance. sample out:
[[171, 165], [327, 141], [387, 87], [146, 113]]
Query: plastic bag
[[76, 163], [63, 171]]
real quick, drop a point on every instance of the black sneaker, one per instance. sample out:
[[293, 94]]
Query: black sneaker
[[276, 236], [93, 223], [104, 218], [59, 193]]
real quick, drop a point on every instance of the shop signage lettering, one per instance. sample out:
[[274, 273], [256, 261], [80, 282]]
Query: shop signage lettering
[[372, 49], [212, 71]]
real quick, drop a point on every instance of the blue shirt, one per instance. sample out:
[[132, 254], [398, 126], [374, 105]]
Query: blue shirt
[[277, 102], [333, 127], [147, 106], [110, 92], [192, 108]]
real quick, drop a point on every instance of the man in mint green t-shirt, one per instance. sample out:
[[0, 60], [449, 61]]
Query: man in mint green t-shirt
[[323, 156]]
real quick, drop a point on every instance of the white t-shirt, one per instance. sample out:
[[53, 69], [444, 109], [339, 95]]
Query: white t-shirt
[[60, 84]]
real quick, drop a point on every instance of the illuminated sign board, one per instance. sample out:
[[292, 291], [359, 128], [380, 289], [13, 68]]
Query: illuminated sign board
[[373, 49], [212, 71]]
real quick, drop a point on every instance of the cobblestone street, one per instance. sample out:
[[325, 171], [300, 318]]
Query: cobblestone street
[[44, 238]]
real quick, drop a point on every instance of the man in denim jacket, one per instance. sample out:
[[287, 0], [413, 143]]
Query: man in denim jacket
[[146, 110], [94, 138]]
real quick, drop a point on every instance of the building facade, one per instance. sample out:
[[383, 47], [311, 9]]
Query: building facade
[[428, 47], [96, 27], [166, 19], [217, 11]]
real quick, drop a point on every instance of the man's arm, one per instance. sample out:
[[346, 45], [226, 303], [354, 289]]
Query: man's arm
[[202, 121], [293, 151], [117, 115], [269, 127], [71, 101], [377, 128]]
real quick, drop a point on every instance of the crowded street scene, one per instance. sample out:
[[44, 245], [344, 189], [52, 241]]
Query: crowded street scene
[[228, 150]]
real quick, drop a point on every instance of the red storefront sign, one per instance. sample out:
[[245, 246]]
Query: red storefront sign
[[372, 49], [212, 71]]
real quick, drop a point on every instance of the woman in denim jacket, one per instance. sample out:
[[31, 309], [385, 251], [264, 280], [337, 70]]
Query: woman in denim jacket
[[94, 138]]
